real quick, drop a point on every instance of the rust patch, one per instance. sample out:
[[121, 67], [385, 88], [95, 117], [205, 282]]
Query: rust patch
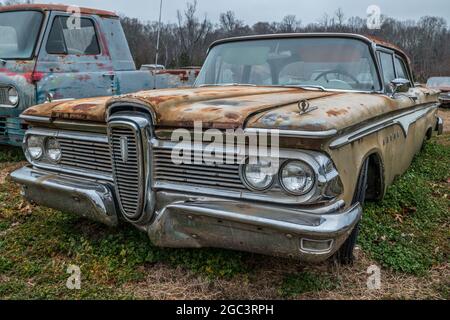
[[336, 112], [232, 115], [84, 107]]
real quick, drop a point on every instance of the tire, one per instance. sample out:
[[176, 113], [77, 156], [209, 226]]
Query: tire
[[345, 256]]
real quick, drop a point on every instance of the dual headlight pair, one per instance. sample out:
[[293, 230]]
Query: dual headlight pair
[[295, 177], [38, 146]]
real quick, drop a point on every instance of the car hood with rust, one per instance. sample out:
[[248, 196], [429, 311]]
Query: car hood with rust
[[235, 107]]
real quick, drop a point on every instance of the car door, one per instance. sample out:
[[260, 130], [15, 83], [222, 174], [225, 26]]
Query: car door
[[411, 112], [73, 60]]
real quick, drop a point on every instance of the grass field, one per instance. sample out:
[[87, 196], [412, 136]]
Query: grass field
[[406, 235]]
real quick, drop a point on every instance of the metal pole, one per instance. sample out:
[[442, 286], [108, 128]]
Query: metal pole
[[159, 33]]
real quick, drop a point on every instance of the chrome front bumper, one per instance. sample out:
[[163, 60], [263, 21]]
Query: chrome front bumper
[[190, 221]]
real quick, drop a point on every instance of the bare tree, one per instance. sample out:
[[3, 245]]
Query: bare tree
[[289, 24], [192, 32], [186, 42]]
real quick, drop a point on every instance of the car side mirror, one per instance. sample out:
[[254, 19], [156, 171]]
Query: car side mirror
[[400, 85]]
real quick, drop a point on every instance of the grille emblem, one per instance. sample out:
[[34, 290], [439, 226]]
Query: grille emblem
[[124, 149]]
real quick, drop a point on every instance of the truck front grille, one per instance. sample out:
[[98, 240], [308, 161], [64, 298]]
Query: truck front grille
[[128, 168], [4, 96], [2, 126]]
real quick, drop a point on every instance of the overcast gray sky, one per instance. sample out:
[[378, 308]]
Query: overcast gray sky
[[252, 11]]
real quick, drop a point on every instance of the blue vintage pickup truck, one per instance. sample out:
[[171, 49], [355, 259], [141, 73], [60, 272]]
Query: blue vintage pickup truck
[[56, 52]]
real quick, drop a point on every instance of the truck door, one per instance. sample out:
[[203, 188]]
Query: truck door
[[74, 60]]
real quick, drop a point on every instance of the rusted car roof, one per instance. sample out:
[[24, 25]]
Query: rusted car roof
[[57, 7]]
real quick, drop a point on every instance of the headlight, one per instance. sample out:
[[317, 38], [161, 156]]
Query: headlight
[[257, 176], [53, 150], [35, 147], [297, 177], [13, 96]]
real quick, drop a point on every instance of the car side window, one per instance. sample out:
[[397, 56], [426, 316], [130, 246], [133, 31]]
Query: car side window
[[64, 39], [400, 69], [387, 64]]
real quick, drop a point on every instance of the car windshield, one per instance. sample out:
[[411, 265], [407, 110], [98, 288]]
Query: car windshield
[[18, 33], [327, 63], [437, 82]]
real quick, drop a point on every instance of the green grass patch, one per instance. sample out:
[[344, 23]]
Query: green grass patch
[[408, 230], [306, 282], [11, 154]]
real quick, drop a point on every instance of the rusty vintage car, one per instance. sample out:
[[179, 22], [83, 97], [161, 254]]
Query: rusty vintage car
[[348, 119]]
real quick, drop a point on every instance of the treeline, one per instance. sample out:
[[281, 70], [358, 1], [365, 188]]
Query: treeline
[[185, 42]]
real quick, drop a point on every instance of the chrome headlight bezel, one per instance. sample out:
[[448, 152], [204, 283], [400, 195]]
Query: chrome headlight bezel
[[31, 142], [307, 169], [251, 185], [13, 96], [47, 148], [326, 186]]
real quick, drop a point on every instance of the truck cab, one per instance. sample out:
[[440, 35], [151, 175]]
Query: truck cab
[[56, 52]]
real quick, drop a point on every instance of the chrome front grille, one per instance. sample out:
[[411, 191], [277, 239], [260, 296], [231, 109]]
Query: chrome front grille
[[205, 174], [86, 155], [128, 168], [4, 96]]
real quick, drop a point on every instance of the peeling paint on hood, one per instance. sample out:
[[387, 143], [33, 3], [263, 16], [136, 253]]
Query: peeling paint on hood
[[240, 107], [91, 109]]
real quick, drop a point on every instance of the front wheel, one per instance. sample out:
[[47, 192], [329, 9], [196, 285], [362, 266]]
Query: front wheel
[[345, 255]]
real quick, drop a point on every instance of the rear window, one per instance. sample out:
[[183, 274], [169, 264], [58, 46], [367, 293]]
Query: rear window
[[65, 39]]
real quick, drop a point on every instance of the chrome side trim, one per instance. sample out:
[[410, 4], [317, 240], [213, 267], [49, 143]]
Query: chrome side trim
[[35, 119], [404, 120], [293, 133]]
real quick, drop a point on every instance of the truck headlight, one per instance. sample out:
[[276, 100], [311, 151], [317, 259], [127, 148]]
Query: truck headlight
[[297, 177], [13, 96], [257, 176], [35, 147], [53, 150]]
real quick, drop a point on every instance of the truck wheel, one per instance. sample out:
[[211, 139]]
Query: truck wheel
[[345, 256]]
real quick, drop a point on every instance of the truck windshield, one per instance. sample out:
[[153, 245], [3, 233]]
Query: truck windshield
[[437, 82], [326, 63], [18, 33]]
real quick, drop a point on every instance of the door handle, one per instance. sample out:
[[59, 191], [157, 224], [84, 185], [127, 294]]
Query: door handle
[[111, 75]]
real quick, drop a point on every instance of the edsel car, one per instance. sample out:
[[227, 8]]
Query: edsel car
[[341, 109]]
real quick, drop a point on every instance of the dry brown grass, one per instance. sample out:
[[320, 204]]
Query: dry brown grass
[[167, 283]]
